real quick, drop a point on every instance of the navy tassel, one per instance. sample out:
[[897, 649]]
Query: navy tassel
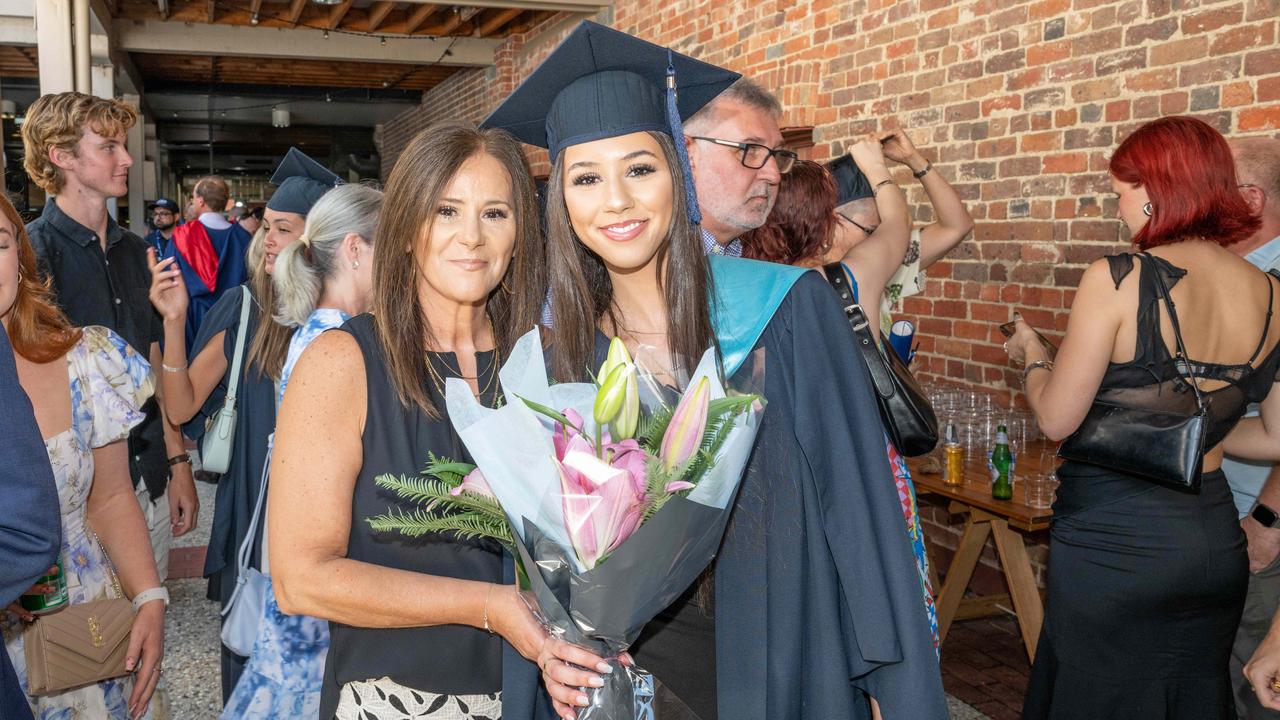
[[677, 135]]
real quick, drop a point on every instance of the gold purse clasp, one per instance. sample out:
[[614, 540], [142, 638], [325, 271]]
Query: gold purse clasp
[[95, 632]]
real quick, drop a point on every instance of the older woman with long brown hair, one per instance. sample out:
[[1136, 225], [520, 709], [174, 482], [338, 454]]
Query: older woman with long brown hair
[[429, 624], [87, 387]]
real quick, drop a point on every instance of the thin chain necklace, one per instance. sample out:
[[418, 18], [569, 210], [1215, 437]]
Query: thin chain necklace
[[438, 380]]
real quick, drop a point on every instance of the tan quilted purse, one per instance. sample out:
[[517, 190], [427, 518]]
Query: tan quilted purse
[[79, 645]]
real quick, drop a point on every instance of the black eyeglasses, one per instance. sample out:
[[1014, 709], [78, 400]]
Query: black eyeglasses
[[755, 155], [860, 226]]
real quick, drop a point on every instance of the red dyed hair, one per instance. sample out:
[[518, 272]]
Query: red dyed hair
[[38, 330], [802, 221], [1190, 177]]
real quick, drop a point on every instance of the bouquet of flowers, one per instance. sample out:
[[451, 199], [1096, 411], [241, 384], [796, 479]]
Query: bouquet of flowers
[[611, 500]]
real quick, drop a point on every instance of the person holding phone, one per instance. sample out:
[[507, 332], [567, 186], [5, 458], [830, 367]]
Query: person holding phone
[[1148, 582]]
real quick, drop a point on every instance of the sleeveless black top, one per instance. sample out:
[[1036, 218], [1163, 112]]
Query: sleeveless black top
[[445, 659], [1155, 380]]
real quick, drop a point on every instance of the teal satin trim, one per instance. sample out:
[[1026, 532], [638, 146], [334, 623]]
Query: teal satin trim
[[747, 294]]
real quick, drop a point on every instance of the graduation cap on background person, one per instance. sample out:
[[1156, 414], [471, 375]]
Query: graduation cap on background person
[[300, 182], [851, 184], [601, 83]]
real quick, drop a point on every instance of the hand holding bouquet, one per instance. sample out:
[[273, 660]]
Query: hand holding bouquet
[[611, 500]]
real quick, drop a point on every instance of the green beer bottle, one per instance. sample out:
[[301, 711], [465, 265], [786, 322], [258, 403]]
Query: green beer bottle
[[51, 602], [1001, 466]]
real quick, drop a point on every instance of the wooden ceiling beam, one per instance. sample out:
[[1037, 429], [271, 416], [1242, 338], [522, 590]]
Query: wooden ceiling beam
[[337, 13], [295, 11], [451, 23], [419, 16], [377, 13], [496, 21]]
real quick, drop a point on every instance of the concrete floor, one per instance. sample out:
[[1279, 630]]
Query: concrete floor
[[191, 638]]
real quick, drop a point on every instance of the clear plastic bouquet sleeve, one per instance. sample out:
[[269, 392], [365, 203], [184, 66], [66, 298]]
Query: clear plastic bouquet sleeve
[[605, 607]]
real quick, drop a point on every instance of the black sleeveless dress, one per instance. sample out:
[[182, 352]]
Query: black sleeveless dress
[[445, 659], [1147, 583]]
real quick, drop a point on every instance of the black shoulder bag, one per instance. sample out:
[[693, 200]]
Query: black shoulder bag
[[904, 409], [1162, 446]]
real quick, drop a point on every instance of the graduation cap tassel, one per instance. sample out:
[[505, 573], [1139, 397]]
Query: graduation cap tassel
[[677, 135]]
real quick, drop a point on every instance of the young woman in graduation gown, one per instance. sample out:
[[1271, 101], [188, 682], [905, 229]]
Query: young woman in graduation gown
[[196, 379], [428, 627], [816, 603]]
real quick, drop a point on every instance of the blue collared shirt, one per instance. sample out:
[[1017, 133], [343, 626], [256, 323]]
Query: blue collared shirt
[[711, 246], [1246, 477]]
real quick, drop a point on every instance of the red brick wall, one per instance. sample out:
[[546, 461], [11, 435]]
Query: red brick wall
[[1018, 104]]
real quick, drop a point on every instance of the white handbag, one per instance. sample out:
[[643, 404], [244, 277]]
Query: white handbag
[[243, 613], [220, 431]]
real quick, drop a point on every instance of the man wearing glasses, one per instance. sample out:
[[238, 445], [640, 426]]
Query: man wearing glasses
[[735, 152]]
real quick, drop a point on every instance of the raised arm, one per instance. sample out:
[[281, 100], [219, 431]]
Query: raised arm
[[183, 387], [1060, 398], [953, 221], [875, 259]]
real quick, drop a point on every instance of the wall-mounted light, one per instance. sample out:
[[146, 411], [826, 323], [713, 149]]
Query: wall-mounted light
[[279, 117], [8, 109]]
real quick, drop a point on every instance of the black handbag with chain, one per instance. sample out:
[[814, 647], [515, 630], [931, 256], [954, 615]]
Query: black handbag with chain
[[1162, 446], [904, 408]]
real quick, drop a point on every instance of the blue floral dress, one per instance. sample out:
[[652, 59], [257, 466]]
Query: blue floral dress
[[286, 667], [109, 382]]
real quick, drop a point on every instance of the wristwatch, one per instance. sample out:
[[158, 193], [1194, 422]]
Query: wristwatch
[[1265, 516]]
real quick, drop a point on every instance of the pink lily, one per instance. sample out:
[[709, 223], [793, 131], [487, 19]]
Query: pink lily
[[602, 505], [676, 486], [475, 484], [688, 423]]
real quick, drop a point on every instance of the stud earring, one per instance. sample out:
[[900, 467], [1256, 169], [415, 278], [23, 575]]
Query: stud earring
[[355, 265], [1146, 209]]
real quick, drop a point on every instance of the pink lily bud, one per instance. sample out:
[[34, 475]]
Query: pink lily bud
[[474, 483], [684, 433], [678, 485]]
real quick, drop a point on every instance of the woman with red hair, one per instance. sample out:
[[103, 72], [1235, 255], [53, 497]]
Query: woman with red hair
[[1147, 583], [87, 387]]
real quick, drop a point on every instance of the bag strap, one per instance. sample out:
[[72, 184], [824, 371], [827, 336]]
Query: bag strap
[[861, 327], [238, 358], [1177, 331]]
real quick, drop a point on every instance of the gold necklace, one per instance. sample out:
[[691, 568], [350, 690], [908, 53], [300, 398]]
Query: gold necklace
[[439, 381]]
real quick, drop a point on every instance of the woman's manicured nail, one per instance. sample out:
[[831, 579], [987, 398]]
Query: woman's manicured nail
[[582, 700], [604, 667], [596, 681]]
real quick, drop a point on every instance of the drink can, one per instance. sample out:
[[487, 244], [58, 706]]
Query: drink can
[[953, 470], [50, 602]]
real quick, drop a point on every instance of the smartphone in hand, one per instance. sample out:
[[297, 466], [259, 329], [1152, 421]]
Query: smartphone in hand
[[1007, 330]]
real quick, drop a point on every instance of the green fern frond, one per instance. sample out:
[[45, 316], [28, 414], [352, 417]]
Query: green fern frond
[[419, 523], [655, 426], [419, 490]]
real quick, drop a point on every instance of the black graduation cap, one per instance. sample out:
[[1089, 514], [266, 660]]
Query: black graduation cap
[[601, 83], [851, 184], [301, 181]]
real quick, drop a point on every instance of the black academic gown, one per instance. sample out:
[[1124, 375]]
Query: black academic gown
[[818, 602]]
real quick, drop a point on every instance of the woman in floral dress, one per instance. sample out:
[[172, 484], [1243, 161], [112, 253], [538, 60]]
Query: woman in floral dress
[[87, 387]]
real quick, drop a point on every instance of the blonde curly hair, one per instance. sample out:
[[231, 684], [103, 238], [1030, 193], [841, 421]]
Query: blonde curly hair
[[59, 120]]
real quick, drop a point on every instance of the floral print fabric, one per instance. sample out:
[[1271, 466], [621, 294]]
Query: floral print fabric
[[285, 671], [109, 382]]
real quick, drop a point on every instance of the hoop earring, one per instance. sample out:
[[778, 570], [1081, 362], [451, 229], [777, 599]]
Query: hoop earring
[[1146, 209], [19, 276]]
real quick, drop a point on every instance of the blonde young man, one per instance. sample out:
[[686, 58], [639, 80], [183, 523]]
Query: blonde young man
[[75, 151]]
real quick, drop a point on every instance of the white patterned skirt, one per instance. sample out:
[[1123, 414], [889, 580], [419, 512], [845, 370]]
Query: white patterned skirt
[[385, 699]]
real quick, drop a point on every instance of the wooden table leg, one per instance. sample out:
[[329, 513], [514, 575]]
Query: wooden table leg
[[1022, 582], [960, 571]]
